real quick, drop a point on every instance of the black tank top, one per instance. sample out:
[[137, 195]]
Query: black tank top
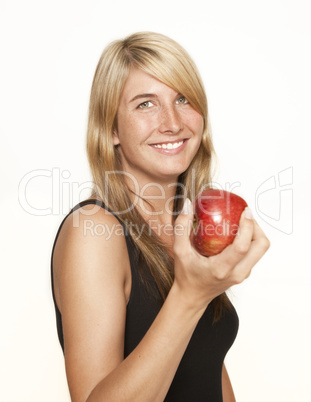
[[198, 377]]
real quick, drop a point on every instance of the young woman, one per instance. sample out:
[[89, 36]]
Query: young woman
[[141, 315]]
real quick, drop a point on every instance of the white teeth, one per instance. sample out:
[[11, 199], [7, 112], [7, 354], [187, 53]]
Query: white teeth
[[169, 145]]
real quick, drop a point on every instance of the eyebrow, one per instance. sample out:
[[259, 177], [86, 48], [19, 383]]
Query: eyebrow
[[140, 96]]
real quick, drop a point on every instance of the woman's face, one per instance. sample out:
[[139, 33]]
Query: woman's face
[[158, 131]]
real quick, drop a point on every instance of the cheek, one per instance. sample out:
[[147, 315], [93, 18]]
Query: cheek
[[196, 123], [200, 125], [136, 130]]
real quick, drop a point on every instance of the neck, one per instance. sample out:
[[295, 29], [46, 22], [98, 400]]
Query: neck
[[155, 200]]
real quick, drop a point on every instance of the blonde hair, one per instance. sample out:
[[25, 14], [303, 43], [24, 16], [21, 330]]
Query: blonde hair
[[166, 60]]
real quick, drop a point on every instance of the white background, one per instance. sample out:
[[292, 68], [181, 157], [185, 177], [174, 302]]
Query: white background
[[254, 58]]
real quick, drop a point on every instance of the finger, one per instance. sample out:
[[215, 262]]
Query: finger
[[183, 226], [259, 234], [257, 250], [236, 251], [259, 246], [245, 233]]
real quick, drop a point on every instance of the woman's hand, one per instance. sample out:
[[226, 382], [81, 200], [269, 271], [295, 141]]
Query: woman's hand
[[201, 279]]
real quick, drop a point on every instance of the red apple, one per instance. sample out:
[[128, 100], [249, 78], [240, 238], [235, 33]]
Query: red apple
[[216, 220]]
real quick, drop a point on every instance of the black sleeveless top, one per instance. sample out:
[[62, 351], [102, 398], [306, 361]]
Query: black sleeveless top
[[198, 377]]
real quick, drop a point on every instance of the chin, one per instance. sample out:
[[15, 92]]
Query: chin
[[172, 175]]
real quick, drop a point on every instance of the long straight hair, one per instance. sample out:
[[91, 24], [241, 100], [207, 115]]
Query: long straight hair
[[167, 61]]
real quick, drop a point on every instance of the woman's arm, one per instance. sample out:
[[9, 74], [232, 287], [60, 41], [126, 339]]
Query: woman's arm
[[91, 272], [227, 390]]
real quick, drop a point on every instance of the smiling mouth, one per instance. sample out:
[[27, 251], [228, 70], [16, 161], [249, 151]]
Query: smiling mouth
[[169, 145]]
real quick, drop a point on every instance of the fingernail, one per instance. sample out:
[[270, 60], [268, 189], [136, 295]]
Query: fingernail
[[248, 213], [186, 207]]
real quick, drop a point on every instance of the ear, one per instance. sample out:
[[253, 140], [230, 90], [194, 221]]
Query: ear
[[115, 137]]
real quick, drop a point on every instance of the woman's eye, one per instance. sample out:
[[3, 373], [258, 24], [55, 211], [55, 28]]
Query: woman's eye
[[181, 100], [145, 105]]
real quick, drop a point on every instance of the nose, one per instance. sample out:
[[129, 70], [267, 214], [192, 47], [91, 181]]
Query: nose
[[170, 121]]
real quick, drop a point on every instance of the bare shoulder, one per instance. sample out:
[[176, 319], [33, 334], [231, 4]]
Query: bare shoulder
[[91, 242], [92, 223], [91, 271]]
